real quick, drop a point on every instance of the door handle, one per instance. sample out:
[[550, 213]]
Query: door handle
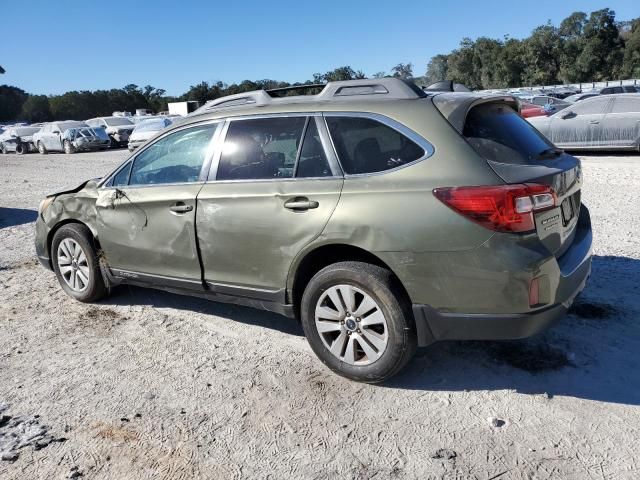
[[300, 204], [594, 122], [180, 207]]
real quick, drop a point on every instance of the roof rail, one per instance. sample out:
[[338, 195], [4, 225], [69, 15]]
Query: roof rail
[[388, 88]]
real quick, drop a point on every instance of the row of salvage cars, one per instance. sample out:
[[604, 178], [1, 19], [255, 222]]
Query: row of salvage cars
[[71, 136]]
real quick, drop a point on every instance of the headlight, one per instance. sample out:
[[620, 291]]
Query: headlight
[[44, 204]]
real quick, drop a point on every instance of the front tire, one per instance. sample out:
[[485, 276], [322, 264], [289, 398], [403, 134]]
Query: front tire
[[76, 263], [42, 149], [22, 148], [358, 321], [68, 148]]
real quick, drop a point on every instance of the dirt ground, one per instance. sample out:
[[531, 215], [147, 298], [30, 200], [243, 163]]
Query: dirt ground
[[148, 384]]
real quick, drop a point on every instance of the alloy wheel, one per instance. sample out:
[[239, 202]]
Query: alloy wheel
[[73, 265], [351, 325]]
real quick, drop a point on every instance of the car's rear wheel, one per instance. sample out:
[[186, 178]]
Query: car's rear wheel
[[21, 148], [68, 147], [358, 321], [3, 149], [42, 149], [76, 263]]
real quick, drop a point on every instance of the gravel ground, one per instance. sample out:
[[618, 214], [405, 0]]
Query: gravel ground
[[148, 384]]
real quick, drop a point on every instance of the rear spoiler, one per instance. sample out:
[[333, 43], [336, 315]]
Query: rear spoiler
[[455, 106]]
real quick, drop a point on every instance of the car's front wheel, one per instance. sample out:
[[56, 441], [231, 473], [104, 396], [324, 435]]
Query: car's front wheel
[[68, 147], [42, 149], [76, 263], [358, 321]]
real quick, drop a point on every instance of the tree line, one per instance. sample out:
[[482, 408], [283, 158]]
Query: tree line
[[583, 48]]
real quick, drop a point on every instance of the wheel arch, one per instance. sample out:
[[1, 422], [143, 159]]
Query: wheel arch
[[311, 262]]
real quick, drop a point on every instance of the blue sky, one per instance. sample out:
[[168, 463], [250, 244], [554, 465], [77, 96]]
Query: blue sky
[[54, 46]]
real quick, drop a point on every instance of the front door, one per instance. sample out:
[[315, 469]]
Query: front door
[[146, 212], [581, 124], [275, 186]]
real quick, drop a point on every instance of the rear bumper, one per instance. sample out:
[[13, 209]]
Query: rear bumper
[[573, 270]]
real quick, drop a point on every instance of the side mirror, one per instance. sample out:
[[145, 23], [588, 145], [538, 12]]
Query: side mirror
[[569, 115], [56, 132]]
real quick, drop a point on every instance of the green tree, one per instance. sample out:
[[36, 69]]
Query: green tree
[[340, 73], [601, 49], [403, 70], [437, 69], [36, 109], [631, 58], [11, 101]]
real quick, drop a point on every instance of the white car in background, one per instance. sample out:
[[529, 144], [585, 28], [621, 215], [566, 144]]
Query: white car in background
[[146, 129], [118, 128], [17, 139], [50, 138]]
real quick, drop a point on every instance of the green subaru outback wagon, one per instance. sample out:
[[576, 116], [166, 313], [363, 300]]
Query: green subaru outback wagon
[[380, 216]]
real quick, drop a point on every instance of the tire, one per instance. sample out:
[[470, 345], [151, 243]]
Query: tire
[[42, 149], [21, 148], [68, 148], [3, 149], [82, 268], [349, 335]]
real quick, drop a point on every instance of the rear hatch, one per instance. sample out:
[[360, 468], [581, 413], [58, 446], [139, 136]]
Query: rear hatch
[[519, 154]]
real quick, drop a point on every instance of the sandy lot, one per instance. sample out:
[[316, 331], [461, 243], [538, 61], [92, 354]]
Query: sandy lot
[[152, 385]]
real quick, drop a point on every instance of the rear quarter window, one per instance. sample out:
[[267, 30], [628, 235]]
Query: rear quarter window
[[364, 145]]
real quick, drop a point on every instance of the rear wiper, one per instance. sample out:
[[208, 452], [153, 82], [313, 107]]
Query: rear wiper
[[552, 152]]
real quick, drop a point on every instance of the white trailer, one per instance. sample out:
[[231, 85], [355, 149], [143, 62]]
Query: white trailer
[[183, 108]]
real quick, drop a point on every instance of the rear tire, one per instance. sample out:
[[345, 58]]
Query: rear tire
[[374, 341], [3, 149], [76, 263], [42, 149], [21, 148]]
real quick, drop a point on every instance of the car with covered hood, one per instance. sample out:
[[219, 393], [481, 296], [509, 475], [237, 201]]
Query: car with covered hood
[[18, 140], [51, 137], [380, 216], [118, 128], [146, 129], [79, 139], [604, 122]]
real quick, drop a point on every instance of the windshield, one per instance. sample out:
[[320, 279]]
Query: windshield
[[118, 121], [152, 125], [499, 134]]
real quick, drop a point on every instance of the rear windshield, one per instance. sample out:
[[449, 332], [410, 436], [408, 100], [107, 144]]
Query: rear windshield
[[117, 121], [499, 134]]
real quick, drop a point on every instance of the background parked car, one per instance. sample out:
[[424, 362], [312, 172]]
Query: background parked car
[[607, 122], [85, 138], [551, 104], [619, 89], [147, 129], [50, 137], [528, 110], [579, 96], [18, 139], [118, 128]]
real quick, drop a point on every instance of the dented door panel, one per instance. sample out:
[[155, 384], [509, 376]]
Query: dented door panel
[[139, 231]]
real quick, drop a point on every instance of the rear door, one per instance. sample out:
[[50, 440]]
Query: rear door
[[146, 211], [518, 153], [270, 192], [621, 125], [580, 125]]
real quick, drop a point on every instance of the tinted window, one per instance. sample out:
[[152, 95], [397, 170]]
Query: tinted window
[[364, 145], [261, 148], [313, 161], [626, 105], [176, 158], [122, 177], [591, 107], [498, 133]]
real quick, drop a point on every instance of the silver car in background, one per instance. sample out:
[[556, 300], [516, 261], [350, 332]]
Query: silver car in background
[[18, 139], [147, 129], [606, 122], [50, 138], [85, 139], [118, 128]]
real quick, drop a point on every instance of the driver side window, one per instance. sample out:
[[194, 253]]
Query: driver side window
[[176, 158]]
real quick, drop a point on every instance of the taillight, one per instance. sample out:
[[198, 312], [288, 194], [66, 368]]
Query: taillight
[[503, 208]]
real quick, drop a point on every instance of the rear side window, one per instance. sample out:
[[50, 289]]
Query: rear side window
[[313, 161], [365, 145], [499, 134], [593, 106], [626, 105], [261, 148]]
